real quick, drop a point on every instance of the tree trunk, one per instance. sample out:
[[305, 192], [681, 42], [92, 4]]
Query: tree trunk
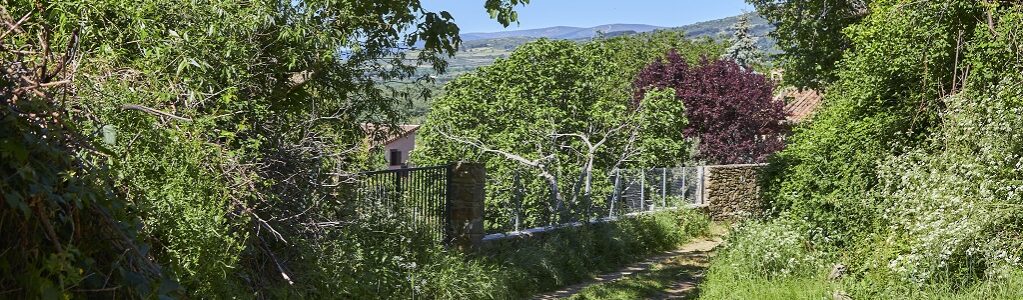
[[555, 194], [588, 185]]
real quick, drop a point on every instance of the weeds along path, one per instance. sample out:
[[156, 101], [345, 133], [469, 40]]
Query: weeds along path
[[674, 274]]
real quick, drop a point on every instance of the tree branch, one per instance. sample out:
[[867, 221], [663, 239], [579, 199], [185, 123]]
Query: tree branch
[[154, 112]]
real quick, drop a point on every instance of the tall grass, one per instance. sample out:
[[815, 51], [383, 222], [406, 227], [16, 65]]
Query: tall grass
[[818, 287]]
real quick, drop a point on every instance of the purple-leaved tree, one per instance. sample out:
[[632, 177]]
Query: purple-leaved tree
[[730, 109]]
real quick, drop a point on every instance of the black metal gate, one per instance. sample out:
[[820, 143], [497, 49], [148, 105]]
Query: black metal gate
[[417, 195]]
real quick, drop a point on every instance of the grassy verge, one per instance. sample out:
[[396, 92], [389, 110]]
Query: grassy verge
[[817, 287], [387, 259], [573, 255], [768, 289]]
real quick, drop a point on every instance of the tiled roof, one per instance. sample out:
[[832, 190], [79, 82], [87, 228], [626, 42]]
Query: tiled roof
[[382, 135], [800, 104]]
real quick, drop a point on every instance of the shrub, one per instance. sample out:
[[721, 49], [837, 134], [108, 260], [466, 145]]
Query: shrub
[[955, 204], [386, 258], [912, 169], [766, 260], [884, 102], [766, 250]]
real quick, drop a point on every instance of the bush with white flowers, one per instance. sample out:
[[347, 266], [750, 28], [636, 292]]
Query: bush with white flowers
[[767, 250], [958, 204]]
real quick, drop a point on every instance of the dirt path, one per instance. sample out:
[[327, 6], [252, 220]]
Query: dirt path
[[684, 268]]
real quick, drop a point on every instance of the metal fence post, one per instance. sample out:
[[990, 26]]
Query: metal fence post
[[664, 187], [642, 190], [616, 194], [397, 190], [446, 234], [517, 190], [685, 188], [699, 183]]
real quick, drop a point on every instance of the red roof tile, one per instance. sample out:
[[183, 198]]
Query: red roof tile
[[799, 104]]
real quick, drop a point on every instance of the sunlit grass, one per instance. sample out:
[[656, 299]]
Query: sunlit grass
[[785, 288], [660, 280]]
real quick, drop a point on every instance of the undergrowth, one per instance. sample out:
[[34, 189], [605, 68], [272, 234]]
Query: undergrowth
[[386, 258], [737, 273]]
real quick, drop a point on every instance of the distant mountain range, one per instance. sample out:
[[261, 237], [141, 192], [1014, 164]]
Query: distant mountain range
[[560, 32], [759, 27], [714, 29]]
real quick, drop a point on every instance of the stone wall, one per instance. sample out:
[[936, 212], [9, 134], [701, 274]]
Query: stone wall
[[732, 192]]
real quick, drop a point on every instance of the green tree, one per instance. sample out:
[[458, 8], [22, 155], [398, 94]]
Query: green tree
[[553, 120], [660, 131], [744, 45], [225, 124], [810, 36]]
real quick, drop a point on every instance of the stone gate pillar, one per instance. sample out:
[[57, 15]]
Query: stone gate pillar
[[465, 194]]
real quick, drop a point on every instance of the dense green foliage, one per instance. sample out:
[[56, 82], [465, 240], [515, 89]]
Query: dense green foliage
[[913, 168], [888, 99], [180, 148], [728, 277], [809, 34], [553, 120], [766, 260], [387, 259]]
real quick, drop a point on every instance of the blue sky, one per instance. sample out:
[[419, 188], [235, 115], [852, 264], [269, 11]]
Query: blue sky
[[471, 17]]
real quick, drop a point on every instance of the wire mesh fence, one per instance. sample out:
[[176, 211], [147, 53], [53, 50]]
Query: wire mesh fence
[[420, 197], [638, 190], [518, 205], [416, 195]]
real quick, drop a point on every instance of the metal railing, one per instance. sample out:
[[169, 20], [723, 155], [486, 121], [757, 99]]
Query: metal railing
[[416, 195]]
